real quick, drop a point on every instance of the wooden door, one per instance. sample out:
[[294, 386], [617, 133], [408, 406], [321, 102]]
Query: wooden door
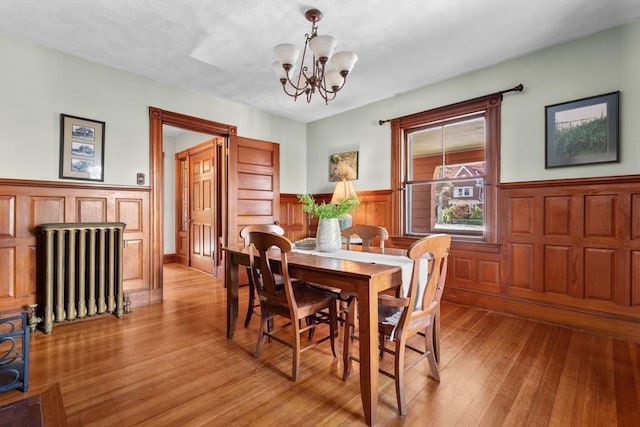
[[253, 190], [182, 208], [202, 189]]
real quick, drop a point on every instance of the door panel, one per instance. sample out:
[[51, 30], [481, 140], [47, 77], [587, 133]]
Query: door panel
[[182, 208], [253, 184], [202, 182]]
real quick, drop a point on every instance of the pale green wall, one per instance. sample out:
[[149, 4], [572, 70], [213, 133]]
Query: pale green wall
[[41, 84], [38, 84], [602, 63]]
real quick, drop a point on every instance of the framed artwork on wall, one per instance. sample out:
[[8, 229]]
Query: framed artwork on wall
[[582, 132], [343, 166], [81, 148]]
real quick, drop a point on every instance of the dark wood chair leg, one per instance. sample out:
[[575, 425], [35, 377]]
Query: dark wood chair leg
[[250, 304]]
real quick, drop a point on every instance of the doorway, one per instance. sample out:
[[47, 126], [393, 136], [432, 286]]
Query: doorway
[[157, 119], [197, 189], [249, 182]]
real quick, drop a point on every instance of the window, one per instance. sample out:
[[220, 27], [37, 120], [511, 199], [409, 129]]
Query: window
[[460, 192], [445, 169]]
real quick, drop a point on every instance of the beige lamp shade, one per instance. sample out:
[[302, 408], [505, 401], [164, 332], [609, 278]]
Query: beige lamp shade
[[343, 190]]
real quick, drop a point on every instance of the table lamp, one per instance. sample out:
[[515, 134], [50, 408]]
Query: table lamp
[[343, 190]]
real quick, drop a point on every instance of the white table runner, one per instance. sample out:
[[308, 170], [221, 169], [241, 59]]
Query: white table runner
[[406, 264]]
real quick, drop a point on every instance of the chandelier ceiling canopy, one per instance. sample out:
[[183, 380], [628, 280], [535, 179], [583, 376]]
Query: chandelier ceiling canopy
[[315, 76]]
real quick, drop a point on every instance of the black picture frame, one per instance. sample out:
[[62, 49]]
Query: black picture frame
[[582, 132], [81, 148]]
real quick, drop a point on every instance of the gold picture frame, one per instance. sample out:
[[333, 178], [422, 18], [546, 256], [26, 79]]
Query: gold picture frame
[[81, 148], [343, 166]]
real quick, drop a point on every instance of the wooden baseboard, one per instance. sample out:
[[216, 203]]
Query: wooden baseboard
[[595, 322], [169, 258], [142, 297]]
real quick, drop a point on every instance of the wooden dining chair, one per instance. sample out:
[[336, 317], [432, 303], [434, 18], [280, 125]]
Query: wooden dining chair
[[296, 303], [366, 233], [417, 313], [253, 303]]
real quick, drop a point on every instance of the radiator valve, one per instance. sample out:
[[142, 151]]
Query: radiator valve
[[33, 317], [127, 305]]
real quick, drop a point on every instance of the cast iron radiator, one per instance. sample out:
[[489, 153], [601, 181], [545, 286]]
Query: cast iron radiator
[[83, 263]]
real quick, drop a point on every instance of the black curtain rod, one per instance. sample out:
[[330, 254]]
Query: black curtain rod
[[502, 92]]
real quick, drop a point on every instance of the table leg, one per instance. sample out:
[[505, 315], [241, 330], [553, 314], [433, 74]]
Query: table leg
[[231, 283], [368, 318]]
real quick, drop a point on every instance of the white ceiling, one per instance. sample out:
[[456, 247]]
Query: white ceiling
[[224, 48]]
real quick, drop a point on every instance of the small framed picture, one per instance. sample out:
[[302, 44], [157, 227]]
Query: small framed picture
[[343, 166], [81, 148], [582, 132]]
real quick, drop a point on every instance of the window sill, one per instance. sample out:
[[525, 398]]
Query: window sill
[[458, 243]]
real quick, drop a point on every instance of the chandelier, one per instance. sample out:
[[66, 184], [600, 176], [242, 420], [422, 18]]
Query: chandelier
[[315, 76]]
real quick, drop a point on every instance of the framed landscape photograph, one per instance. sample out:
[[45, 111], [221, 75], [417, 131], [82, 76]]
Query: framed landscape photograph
[[343, 166], [581, 132], [81, 148]]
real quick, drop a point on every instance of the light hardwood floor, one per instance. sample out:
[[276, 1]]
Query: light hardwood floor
[[170, 364]]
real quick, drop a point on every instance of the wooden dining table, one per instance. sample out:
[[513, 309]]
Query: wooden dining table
[[364, 279]]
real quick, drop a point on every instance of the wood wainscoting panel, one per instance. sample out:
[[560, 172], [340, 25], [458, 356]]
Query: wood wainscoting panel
[[374, 209], [557, 269], [131, 211], [91, 209], [600, 215], [635, 278], [8, 268], [30, 275], [293, 219], [136, 268], [45, 209], [635, 216], [7, 215], [600, 274], [521, 265], [557, 215], [132, 267], [584, 256], [521, 215], [568, 252], [182, 245], [462, 268], [25, 204], [472, 266], [488, 272]]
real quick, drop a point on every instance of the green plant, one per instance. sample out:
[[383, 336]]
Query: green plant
[[476, 212], [327, 210]]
